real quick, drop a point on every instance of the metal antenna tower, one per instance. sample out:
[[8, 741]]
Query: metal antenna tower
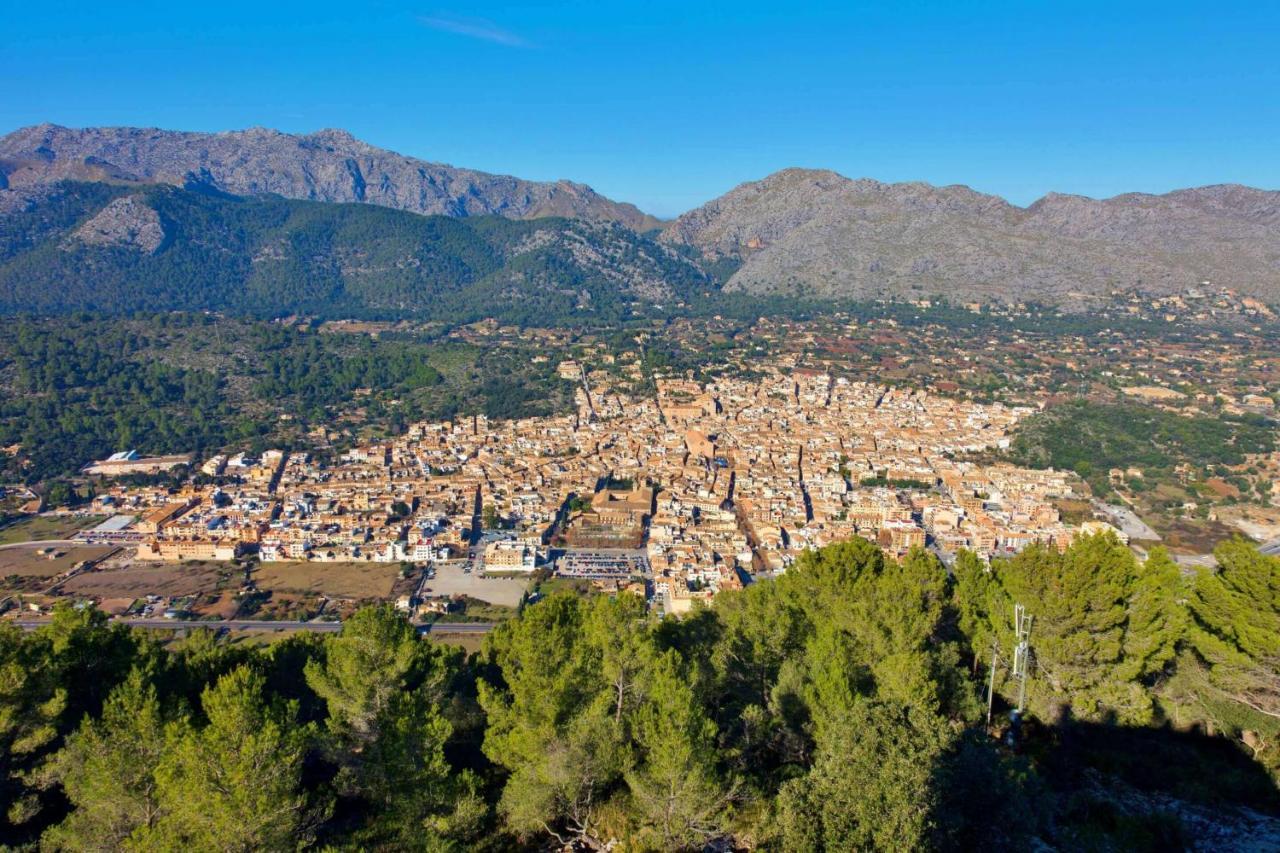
[[991, 685], [1021, 660], [1022, 652]]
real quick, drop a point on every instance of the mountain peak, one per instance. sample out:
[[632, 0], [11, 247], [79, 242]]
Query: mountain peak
[[327, 165], [815, 233]]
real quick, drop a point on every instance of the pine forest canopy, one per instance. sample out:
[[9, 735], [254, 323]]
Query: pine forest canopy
[[837, 707]]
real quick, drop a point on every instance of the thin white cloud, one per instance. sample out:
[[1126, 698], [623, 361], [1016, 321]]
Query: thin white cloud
[[476, 28]]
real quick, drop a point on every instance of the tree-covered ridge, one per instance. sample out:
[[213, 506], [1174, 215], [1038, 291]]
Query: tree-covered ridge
[[79, 388], [74, 398], [190, 249], [1091, 438], [839, 707]]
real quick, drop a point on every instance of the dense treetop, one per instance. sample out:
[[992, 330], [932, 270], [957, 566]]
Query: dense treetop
[[838, 707]]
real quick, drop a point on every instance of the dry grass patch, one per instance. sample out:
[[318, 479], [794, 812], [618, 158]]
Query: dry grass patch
[[335, 580], [141, 579], [28, 562], [1186, 536], [37, 527], [222, 606]]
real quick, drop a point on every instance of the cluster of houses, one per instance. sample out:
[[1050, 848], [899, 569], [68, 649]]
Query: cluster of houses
[[709, 483]]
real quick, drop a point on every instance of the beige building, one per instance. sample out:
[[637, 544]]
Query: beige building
[[154, 520], [129, 462], [506, 555], [178, 550], [622, 508]]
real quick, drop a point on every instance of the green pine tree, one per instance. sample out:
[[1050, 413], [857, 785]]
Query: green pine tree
[[383, 687], [107, 769], [675, 786], [235, 784], [871, 784], [33, 701]]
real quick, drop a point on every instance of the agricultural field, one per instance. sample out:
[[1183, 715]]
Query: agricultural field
[[25, 569], [35, 528], [138, 580], [332, 580], [210, 590]]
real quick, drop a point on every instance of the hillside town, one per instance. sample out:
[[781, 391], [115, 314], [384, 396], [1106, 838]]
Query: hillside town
[[678, 496]]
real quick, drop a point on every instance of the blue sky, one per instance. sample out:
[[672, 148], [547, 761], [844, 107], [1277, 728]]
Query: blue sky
[[668, 104]]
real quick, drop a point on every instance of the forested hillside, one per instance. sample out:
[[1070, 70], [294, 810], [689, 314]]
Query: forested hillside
[[112, 249], [77, 388], [1092, 438], [839, 707]]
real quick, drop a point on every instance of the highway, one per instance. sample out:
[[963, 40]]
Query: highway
[[263, 625]]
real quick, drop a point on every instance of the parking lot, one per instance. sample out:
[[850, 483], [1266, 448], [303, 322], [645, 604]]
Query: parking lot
[[451, 579]]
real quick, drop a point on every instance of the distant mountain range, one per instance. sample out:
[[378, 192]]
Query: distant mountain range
[[818, 233], [797, 233], [329, 165]]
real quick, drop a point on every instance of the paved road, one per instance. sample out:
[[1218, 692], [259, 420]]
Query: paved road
[[458, 628], [233, 625], [262, 625], [1129, 523], [43, 543], [1271, 549]]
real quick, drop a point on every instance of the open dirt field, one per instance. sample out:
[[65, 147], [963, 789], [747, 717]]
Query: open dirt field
[[335, 580], [224, 605], [26, 562], [1260, 523], [140, 579], [1200, 537], [451, 580]]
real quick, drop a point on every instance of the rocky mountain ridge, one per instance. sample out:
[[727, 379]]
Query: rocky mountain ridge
[[329, 165], [818, 233], [796, 233]]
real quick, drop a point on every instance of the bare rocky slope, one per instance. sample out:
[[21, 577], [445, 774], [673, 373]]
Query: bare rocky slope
[[330, 165], [821, 234]]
